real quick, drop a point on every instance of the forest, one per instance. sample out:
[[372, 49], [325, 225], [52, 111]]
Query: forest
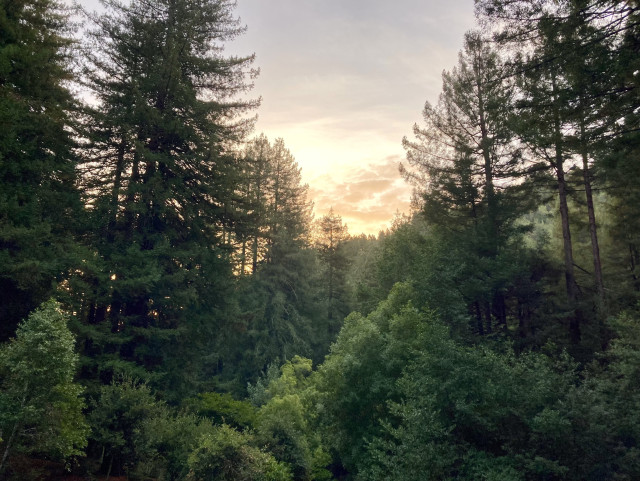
[[170, 309]]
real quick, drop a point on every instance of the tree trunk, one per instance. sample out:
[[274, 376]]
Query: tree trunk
[[633, 255], [595, 249], [570, 279], [254, 260]]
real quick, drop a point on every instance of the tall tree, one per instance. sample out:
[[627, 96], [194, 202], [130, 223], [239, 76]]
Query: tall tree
[[576, 61], [273, 201], [37, 193], [331, 237], [464, 162], [278, 298], [161, 138]]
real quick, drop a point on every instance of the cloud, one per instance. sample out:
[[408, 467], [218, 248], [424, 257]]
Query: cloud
[[367, 198], [342, 82]]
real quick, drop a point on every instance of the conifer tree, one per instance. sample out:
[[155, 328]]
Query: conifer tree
[[331, 237], [156, 173], [572, 102], [463, 162], [37, 193], [278, 298]]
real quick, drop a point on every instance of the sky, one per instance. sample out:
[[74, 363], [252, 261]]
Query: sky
[[342, 82]]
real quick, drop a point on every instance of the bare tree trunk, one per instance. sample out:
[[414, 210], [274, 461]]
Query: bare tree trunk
[[570, 278], [109, 470], [569, 273], [595, 249]]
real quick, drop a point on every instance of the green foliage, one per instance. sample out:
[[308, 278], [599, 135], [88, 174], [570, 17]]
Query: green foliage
[[470, 413], [165, 441], [358, 377], [400, 398], [605, 426], [331, 236], [268, 235], [38, 199], [285, 422], [223, 409], [40, 405], [428, 260], [227, 455], [161, 134], [199, 270], [116, 416]]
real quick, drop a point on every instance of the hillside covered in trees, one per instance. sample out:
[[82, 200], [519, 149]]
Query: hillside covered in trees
[[171, 310]]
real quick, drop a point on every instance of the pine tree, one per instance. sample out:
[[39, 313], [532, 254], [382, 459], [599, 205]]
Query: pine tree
[[331, 237], [156, 174], [37, 193], [464, 163]]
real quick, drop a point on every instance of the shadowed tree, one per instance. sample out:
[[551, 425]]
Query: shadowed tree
[[37, 193], [155, 173], [331, 237], [465, 165]]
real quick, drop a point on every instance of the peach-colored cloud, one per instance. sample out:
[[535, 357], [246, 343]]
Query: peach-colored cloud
[[367, 199]]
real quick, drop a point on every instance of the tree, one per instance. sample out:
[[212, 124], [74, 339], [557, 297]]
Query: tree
[[40, 405], [331, 236], [358, 378], [575, 62], [37, 194], [284, 423], [116, 417], [275, 212], [466, 167], [155, 178], [471, 412], [272, 243], [227, 455]]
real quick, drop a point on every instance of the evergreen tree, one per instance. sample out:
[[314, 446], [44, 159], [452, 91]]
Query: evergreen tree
[[575, 63], [37, 193], [330, 241], [155, 177], [465, 164], [278, 298], [272, 201]]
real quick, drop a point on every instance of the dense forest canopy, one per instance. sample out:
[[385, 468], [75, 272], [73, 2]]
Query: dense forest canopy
[[171, 310]]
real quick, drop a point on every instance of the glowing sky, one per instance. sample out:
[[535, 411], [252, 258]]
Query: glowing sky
[[342, 81]]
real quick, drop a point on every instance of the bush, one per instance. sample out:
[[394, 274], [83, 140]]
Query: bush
[[226, 455]]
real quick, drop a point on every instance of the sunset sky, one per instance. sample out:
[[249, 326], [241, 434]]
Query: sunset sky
[[342, 81]]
